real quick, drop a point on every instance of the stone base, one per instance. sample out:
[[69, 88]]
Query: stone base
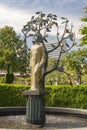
[[35, 107], [34, 92]]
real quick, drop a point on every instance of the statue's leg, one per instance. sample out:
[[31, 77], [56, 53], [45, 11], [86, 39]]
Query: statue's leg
[[39, 78], [33, 79]]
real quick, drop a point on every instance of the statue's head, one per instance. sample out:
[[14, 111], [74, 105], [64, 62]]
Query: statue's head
[[37, 38]]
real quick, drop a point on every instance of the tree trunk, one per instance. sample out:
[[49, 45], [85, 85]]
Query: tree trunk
[[9, 76], [79, 80]]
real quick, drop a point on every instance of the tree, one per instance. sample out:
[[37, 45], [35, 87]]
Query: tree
[[39, 27], [11, 59], [51, 77], [83, 29], [58, 77], [77, 61]]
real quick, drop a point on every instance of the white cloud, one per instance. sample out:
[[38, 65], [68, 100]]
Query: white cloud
[[75, 21], [13, 17], [77, 24], [72, 20], [17, 18]]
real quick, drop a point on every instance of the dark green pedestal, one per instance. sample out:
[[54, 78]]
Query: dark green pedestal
[[35, 107]]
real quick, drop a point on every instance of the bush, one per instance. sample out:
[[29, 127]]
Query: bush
[[11, 95], [59, 96], [9, 78], [2, 79], [67, 96]]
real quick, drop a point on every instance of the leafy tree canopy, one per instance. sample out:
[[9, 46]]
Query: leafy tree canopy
[[13, 51], [83, 28]]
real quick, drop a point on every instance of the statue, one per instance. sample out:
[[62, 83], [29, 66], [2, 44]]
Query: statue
[[39, 28], [37, 60]]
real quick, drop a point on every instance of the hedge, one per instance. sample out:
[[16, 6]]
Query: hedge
[[67, 96], [59, 96], [11, 95]]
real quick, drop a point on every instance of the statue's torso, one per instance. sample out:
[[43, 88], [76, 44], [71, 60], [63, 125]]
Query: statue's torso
[[36, 53]]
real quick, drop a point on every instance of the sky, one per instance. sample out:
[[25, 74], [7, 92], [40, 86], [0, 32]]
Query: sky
[[17, 13]]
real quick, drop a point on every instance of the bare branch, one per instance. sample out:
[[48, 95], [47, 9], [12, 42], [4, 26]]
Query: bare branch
[[67, 75], [64, 51], [53, 49]]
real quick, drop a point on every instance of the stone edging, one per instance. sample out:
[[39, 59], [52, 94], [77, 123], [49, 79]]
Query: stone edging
[[6, 111], [49, 110], [71, 111]]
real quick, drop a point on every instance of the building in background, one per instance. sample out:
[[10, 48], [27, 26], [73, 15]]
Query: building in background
[[54, 54]]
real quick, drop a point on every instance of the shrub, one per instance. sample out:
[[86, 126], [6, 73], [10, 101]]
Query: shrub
[[2, 79], [67, 96], [11, 95], [9, 78], [59, 96]]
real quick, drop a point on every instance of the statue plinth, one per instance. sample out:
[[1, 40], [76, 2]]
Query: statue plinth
[[34, 92], [35, 106]]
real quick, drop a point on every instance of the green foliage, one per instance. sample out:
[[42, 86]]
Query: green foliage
[[11, 95], [74, 59], [59, 96], [13, 52], [67, 96], [77, 61], [51, 63], [56, 76], [83, 28], [2, 79], [9, 78]]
